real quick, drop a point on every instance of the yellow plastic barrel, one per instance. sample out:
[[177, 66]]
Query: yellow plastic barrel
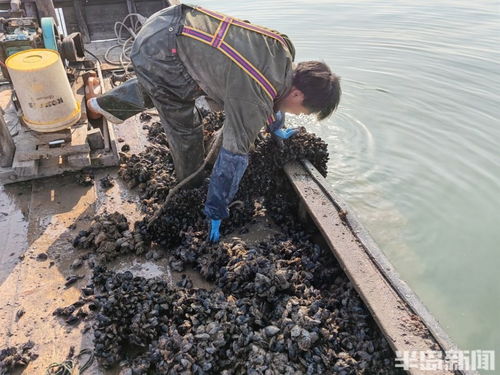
[[43, 90]]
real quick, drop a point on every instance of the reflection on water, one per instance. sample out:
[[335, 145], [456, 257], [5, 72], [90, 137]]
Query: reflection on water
[[415, 144]]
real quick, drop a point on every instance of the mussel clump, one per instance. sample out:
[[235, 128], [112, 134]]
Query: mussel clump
[[281, 307], [78, 310], [109, 236], [262, 188], [152, 171], [16, 356]]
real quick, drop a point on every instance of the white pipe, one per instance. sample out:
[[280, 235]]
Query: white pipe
[[61, 21]]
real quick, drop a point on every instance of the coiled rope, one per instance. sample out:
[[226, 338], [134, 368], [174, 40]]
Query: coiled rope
[[125, 36], [68, 367]]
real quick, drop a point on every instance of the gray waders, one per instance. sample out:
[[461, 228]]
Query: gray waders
[[163, 82]]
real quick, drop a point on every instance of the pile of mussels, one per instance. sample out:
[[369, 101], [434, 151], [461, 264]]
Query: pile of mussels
[[14, 357], [152, 172], [109, 237], [282, 306]]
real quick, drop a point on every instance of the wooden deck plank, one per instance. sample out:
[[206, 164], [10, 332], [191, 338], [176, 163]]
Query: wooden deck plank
[[25, 168]]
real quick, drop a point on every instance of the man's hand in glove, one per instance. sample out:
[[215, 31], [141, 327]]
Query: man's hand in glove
[[276, 128], [213, 230], [285, 133]]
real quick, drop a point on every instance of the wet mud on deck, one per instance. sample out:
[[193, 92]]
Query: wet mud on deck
[[38, 221]]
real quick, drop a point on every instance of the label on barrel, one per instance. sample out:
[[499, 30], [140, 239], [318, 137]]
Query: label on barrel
[[47, 103]]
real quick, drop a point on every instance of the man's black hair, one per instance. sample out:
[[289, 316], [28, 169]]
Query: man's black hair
[[321, 87]]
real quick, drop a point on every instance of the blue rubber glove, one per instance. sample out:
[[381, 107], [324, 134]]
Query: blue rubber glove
[[277, 127], [213, 230], [285, 133]]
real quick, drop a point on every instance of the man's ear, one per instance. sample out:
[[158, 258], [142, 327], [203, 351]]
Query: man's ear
[[297, 95]]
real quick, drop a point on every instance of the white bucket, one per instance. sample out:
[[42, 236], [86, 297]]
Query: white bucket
[[43, 90]]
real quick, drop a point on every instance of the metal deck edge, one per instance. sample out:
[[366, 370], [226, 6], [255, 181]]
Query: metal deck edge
[[378, 258]]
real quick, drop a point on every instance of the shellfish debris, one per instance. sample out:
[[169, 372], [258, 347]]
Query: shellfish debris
[[281, 306]]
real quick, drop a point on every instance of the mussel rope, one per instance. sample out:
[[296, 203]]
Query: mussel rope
[[67, 367], [210, 158]]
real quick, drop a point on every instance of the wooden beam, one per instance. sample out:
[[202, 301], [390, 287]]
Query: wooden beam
[[44, 138], [25, 168], [95, 139], [7, 146], [80, 18], [105, 125], [79, 160], [46, 9], [46, 152]]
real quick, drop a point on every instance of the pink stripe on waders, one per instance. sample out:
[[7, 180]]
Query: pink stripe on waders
[[245, 25], [193, 32], [254, 73], [222, 32]]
